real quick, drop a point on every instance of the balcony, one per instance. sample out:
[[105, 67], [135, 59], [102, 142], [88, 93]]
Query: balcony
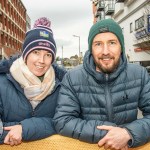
[[101, 16], [119, 8], [109, 9], [141, 34], [120, 1], [100, 6]]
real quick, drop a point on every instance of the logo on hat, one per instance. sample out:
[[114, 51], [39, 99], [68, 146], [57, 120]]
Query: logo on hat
[[44, 44], [44, 34], [103, 29]]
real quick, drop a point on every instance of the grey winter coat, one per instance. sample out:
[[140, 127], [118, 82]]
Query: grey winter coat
[[88, 99]]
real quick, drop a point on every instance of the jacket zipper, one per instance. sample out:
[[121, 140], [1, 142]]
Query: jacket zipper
[[108, 101]]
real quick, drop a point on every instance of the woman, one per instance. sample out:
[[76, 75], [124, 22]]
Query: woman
[[28, 93]]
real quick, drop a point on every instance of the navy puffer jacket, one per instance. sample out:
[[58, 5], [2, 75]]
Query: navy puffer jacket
[[88, 98], [15, 108]]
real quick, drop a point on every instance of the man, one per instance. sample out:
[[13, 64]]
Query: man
[[99, 100]]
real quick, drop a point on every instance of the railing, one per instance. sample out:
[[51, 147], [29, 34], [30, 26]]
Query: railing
[[57, 142], [109, 9], [100, 5]]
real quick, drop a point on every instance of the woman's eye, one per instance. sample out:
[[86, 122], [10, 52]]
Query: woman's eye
[[49, 55], [35, 52]]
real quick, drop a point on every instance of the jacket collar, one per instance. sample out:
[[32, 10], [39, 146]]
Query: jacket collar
[[90, 67]]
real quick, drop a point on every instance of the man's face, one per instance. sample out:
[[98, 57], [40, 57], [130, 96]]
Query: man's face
[[106, 51]]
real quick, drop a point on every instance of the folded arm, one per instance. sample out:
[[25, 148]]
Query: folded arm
[[32, 128], [140, 128], [68, 121]]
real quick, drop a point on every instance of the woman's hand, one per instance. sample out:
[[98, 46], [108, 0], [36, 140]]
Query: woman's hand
[[14, 136]]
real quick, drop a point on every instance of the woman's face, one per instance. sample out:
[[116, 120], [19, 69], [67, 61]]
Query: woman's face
[[39, 61]]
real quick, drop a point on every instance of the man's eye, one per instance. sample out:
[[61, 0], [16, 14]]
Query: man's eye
[[97, 44], [112, 42]]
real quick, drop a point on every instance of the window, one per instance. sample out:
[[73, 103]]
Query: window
[[131, 27], [139, 23]]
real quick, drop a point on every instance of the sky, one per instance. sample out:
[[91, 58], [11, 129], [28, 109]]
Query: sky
[[68, 18]]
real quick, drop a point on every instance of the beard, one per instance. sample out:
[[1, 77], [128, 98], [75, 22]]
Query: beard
[[106, 68]]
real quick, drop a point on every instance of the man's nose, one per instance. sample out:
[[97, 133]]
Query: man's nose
[[105, 49]]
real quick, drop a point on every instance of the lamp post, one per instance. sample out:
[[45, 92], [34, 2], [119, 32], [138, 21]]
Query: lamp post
[[79, 42], [62, 56]]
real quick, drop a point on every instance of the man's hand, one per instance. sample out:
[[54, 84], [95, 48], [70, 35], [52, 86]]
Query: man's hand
[[14, 136], [116, 138]]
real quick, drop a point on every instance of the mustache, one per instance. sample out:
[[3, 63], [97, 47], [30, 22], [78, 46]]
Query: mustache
[[106, 57]]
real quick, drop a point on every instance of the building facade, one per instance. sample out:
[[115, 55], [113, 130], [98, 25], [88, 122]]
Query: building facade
[[12, 27], [134, 18], [28, 23]]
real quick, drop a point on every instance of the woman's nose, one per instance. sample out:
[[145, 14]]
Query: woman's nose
[[41, 59]]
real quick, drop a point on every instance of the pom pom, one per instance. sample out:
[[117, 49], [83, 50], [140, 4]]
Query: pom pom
[[43, 21]]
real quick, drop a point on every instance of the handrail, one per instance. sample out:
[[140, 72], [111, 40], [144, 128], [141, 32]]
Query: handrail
[[57, 142]]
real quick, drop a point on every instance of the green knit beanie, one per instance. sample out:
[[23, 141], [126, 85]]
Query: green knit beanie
[[106, 25]]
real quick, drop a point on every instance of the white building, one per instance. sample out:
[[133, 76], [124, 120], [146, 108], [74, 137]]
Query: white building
[[134, 19], [28, 23]]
